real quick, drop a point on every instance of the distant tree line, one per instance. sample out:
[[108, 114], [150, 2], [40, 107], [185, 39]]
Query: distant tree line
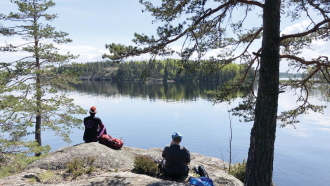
[[163, 70], [290, 75], [176, 91]]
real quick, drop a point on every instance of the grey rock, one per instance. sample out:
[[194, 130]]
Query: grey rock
[[121, 160], [123, 178], [32, 175], [106, 158]]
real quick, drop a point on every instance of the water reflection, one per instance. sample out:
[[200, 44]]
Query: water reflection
[[165, 91], [296, 149]]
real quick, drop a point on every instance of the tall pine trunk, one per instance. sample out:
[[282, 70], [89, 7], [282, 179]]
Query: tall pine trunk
[[38, 86], [38, 116], [38, 100], [259, 168]]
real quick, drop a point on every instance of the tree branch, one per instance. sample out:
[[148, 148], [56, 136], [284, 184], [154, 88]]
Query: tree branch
[[314, 29], [254, 37], [209, 13], [310, 76], [318, 8], [249, 2], [301, 60], [250, 65]]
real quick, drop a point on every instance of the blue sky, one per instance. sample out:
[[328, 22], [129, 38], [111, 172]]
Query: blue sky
[[92, 24]]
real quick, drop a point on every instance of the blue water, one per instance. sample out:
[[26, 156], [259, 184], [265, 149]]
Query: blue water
[[301, 154]]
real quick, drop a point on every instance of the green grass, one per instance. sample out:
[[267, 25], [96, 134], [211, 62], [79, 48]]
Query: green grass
[[15, 163], [239, 171], [145, 165], [79, 167], [50, 177]]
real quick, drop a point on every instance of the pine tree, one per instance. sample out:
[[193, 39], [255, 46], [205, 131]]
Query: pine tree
[[30, 94], [219, 25]]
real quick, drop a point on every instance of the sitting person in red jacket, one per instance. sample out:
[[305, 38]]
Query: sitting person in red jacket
[[94, 127]]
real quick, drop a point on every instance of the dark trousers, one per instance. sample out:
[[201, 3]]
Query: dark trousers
[[96, 138], [161, 168]]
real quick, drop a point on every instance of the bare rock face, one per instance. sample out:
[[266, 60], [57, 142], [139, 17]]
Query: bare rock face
[[122, 160], [106, 158]]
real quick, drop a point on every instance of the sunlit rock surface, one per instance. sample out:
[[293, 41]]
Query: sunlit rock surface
[[115, 166]]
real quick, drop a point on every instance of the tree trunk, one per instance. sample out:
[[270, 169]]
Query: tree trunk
[[38, 117], [38, 85], [259, 168]]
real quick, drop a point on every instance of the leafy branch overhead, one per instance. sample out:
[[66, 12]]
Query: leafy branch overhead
[[221, 26], [37, 101]]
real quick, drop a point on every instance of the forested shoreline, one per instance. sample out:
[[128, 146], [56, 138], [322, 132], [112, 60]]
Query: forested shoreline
[[162, 70]]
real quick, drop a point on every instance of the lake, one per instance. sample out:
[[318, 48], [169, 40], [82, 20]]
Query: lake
[[145, 116]]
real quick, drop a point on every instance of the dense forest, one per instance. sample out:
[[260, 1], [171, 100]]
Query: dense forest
[[177, 91], [161, 70]]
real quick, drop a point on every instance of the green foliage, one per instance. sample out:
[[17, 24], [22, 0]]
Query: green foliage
[[11, 147], [15, 163], [196, 175], [145, 165], [29, 90], [50, 177], [79, 167], [168, 69], [239, 171], [220, 25], [229, 91], [204, 28], [167, 91]]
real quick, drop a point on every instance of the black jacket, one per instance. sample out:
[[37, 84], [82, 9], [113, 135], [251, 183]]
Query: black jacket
[[91, 125]]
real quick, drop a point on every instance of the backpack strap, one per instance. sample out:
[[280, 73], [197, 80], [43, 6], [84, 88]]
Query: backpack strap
[[196, 170], [202, 171]]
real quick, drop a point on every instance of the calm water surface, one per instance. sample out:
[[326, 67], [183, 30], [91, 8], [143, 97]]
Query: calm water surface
[[146, 116]]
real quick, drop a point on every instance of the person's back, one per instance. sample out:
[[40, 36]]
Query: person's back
[[92, 124], [177, 157]]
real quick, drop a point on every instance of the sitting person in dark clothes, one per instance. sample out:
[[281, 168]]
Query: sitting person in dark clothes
[[176, 158], [94, 127]]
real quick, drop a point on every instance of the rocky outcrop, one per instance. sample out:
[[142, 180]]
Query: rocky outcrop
[[106, 158], [116, 166]]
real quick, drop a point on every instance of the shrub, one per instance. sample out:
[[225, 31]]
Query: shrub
[[13, 163], [78, 167], [145, 165], [239, 171], [50, 177]]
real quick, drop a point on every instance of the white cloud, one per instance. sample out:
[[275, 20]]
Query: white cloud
[[296, 28], [325, 129], [318, 47], [300, 130], [317, 119], [86, 52]]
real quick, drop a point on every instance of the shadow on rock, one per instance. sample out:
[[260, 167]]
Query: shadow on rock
[[107, 181]]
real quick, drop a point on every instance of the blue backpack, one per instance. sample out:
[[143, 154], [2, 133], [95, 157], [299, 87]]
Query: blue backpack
[[203, 180]]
